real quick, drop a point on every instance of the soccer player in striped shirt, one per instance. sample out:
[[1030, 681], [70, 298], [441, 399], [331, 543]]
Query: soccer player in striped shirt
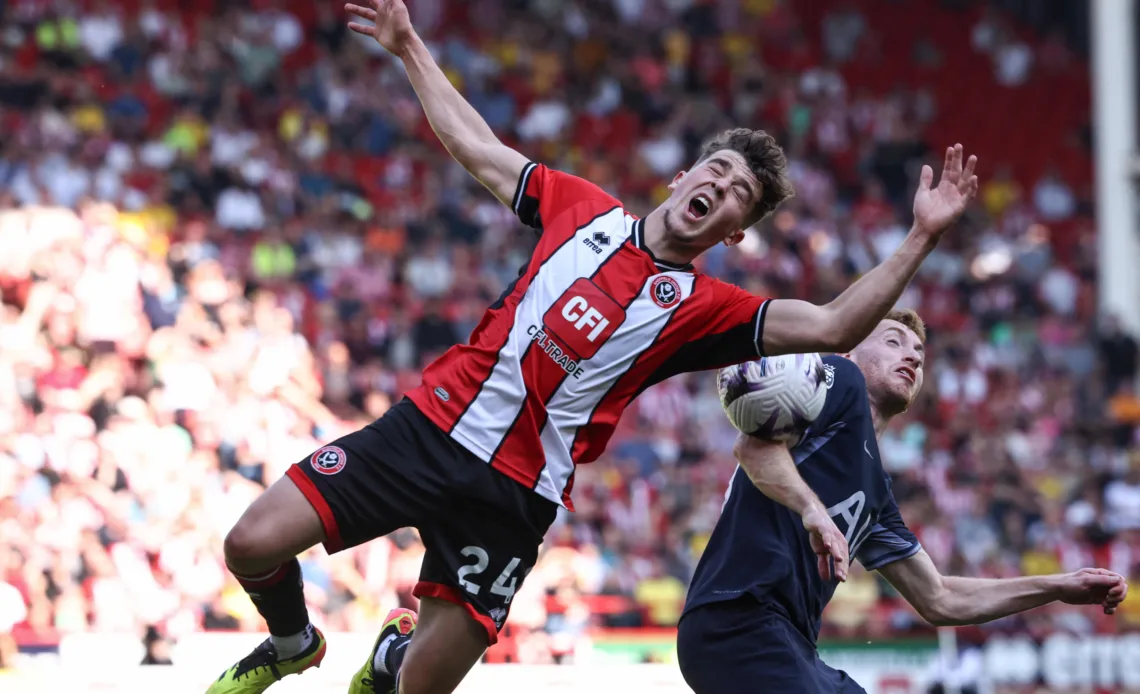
[[481, 456]]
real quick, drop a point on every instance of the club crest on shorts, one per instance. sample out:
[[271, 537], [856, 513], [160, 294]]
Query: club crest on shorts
[[665, 291], [328, 460]]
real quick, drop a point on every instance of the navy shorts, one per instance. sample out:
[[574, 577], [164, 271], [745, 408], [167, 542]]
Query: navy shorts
[[742, 647], [481, 529]]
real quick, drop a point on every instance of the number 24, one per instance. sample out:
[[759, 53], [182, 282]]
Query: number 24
[[479, 565]]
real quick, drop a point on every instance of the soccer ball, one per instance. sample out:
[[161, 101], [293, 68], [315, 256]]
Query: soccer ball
[[774, 398]]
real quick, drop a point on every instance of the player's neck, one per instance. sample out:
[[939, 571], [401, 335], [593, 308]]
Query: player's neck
[[880, 420], [657, 241]]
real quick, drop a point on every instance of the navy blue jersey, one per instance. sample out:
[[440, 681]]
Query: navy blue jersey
[[759, 547]]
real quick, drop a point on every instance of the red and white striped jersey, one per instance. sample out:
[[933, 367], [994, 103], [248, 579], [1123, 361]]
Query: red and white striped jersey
[[592, 320]]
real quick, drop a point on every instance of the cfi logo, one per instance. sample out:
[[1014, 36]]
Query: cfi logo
[[665, 291], [328, 460]]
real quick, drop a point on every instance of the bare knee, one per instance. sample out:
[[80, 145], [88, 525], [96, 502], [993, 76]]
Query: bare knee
[[246, 546], [278, 526]]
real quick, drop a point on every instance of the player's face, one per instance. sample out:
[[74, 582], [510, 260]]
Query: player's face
[[892, 361], [712, 202]]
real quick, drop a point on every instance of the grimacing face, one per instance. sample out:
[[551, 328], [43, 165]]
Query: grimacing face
[[892, 360], [712, 202]]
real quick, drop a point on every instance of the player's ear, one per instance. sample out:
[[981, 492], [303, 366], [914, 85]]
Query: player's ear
[[677, 179], [734, 238]]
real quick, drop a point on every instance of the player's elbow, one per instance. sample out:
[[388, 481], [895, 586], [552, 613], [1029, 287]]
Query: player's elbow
[[754, 454], [834, 332], [933, 616], [938, 611]]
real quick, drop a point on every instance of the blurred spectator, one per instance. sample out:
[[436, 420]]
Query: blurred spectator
[[1053, 199], [843, 28], [157, 648], [12, 612]]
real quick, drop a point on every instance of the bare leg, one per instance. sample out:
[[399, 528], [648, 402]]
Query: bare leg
[[261, 551], [275, 528], [446, 645]]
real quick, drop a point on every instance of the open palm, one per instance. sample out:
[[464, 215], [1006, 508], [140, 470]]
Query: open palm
[[390, 24], [936, 209]]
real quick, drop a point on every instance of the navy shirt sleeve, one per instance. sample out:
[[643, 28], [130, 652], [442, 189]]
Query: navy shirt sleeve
[[889, 541]]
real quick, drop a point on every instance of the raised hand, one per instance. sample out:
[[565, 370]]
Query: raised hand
[[829, 545], [390, 24], [936, 209], [1094, 587]]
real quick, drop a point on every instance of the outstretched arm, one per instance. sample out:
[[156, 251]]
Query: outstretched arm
[[770, 466], [956, 601], [791, 326], [458, 125]]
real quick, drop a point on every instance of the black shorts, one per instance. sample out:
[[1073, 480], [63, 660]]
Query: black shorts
[[742, 647], [481, 529]]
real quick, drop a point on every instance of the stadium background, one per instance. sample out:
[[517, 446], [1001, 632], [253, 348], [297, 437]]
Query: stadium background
[[228, 235]]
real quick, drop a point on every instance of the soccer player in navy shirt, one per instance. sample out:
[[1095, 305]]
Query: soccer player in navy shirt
[[793, 516]]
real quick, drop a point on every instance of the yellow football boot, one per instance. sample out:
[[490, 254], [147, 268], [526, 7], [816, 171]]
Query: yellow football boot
[[254, 673], [399, 623]]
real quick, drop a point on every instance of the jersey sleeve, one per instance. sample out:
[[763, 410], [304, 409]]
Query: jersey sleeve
[[889, 540], [544, 194], [730, 334], [844, 406]]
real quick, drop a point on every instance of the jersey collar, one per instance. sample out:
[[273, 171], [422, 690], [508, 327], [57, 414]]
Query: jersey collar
[[639, 242]]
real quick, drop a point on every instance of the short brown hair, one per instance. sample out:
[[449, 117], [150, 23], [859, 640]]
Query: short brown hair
[[766, 159], [910, 319]]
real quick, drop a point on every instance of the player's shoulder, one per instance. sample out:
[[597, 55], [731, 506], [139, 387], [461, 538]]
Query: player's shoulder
[[540, 181], [846, 391], [842, 373], [716, 291]]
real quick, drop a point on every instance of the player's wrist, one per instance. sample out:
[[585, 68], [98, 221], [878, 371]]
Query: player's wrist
[[812, 511], [924, 236], [1054, 586], [407, 48]]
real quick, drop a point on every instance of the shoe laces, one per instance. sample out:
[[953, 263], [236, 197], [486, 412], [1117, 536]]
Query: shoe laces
[[264, 657]]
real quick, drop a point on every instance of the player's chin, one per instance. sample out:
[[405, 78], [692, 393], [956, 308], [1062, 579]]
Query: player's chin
[[704, 233], [899, 397]]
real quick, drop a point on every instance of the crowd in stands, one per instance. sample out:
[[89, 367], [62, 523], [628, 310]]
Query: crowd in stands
[[227, 236]]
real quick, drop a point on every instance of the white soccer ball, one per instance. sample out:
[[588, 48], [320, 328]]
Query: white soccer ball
[[774, 398]]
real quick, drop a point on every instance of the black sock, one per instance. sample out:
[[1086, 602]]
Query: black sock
[[279, 597], [395, 656]]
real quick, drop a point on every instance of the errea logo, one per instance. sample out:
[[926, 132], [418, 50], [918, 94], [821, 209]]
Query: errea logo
[[596, 242]]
